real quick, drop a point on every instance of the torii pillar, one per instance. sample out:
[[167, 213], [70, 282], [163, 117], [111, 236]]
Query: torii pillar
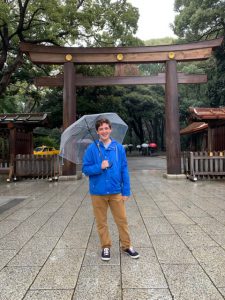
[[69, 108], [172, 119]]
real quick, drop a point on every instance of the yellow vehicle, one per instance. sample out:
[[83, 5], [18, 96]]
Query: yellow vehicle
[[45, 150]]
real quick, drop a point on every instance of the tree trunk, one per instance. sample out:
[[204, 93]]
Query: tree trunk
[[7, 74]]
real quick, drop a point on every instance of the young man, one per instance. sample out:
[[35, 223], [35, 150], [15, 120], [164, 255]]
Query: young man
[[106, 165]]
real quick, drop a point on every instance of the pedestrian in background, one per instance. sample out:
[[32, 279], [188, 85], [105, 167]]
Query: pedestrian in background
[[144, 148]]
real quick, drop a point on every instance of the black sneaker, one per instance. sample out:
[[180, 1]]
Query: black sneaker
[[106, 254], [131, 252]]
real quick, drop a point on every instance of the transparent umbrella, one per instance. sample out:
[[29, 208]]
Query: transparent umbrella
[[80, 134]]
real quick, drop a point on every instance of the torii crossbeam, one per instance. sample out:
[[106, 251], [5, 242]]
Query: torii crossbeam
[[168, 54], [81, 81]]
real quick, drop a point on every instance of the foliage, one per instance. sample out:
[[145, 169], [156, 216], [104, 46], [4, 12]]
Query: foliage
[[192, 94], [160, 41], [99, 99], [144, 108], [216, 85], [89, 22], [45, 140], [52, 103], [199, 19], [46, 136]]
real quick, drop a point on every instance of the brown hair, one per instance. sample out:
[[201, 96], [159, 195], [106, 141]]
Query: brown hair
[[102, 121]]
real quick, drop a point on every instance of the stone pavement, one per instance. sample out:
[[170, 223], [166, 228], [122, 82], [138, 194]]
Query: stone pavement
[[49, 247]]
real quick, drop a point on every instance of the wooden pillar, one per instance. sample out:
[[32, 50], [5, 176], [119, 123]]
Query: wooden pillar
[[12, 142], [69, 108], [210, 137], [173, 151]]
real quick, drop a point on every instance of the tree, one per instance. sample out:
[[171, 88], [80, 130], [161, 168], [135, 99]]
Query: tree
[[52, 102], [80, 22], [144, 111], [201, 20]]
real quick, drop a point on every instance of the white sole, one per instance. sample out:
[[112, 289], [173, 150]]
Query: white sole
[[105, 259], [134, 257]]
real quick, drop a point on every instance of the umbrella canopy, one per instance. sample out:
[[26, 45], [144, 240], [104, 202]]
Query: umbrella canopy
[[144, 145], [153, 145], [82, 133]]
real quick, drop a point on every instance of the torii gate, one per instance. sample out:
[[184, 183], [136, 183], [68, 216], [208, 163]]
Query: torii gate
[[168, 54], [81, 80]]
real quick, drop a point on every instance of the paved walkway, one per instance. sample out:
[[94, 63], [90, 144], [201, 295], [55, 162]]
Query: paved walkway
[[49, 246]]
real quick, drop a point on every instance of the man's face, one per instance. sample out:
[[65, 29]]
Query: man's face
[[104, 132]]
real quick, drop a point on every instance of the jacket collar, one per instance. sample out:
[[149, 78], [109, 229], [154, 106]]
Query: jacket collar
[[100, 143]]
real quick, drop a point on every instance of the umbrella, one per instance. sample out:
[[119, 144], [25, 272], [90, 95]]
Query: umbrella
[[153, 145], [80, 134], [144, 145]]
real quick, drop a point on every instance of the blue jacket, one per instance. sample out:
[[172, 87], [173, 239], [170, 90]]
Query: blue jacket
[[113, 180]]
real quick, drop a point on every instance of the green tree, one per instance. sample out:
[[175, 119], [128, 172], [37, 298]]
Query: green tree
[[97, 100], [201, 20], [144, 111], [52, 102], [80, 22], [160, 41]]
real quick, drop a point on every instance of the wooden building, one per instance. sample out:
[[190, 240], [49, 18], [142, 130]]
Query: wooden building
[[206, 129], [16, 133]]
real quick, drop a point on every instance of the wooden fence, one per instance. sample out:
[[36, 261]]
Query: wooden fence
[[32, 166], [204, 165], [3, 165], [6, 169]]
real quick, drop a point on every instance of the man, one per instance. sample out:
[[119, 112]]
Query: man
[[106, 165]]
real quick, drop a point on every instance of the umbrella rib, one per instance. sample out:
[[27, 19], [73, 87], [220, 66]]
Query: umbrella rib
[[89, 130]]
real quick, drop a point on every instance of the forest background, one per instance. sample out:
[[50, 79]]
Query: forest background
[[96, 23]]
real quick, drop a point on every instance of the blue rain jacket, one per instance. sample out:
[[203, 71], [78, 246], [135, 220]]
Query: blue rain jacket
[[113, 180]]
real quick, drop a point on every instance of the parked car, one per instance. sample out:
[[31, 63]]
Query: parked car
[[45, 150]]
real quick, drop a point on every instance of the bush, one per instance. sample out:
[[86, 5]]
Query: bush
[[45, 140]]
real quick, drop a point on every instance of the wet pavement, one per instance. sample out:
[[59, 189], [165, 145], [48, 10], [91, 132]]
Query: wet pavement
[[157, 162], [49, 248]]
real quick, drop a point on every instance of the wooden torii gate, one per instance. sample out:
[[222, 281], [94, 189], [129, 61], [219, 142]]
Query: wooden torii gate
[[168, 54], [81, 81]]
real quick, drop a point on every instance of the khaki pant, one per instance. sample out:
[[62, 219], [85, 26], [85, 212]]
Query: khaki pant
[[117, 207]]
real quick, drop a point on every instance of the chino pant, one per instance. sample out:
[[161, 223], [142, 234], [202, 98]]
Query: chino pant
[[117, 206]]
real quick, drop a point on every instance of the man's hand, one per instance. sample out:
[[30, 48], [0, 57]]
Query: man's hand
[[105, 164], [125, 198]]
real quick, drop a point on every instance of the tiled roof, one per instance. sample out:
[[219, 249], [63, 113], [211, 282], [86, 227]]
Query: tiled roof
[[194, 127], [207, 113], [24, 118]]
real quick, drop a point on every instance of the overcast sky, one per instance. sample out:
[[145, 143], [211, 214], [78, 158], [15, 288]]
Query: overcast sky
[[155, 17]]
